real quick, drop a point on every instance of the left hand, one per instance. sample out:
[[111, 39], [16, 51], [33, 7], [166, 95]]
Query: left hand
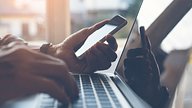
[[25, 72], [10, 38], [98, 57]]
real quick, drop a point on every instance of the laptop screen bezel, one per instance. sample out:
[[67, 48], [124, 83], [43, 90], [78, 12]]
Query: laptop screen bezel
[[123, 51]]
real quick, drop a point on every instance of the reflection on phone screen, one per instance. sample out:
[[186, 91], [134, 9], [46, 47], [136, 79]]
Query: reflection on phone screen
[[95, 37]]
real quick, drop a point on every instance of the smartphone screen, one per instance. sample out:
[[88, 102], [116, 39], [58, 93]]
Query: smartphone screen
[[95, 37], [115, 24]]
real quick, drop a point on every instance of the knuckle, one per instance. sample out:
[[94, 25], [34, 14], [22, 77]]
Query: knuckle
[[49, 87], [103, 46], [19, 51], [84, 31], [114, 56], [64, 67], [19, 54], [105, 66], [8, 36], [15, 43]]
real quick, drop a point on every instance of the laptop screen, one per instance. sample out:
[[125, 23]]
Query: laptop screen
[[132, 38], [129, 9], [128, 36]]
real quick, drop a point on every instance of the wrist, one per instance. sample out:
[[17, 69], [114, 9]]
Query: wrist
[[48, 49]]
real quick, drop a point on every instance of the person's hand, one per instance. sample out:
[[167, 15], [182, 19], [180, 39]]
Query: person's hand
[[10, 38], [25, 72], [143, 75], [98, 57]]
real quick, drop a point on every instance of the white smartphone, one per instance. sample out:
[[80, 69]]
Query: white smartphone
[[115, 24]]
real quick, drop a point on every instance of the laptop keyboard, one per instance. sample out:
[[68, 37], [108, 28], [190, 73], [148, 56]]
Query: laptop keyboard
[[95, 92]]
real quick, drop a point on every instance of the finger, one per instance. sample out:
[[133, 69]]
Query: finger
[[107, 51], [33, 84], [101, 62], [12, 45], [4, 39], [40, 56], [10, 38], [11, 50], [79, 37], [59, 72], [24, 51], [112, 42]]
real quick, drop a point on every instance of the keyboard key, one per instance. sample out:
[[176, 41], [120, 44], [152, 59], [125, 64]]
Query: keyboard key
[[89, 93]]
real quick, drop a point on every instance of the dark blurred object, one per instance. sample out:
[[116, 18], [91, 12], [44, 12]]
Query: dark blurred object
[[160, 56], [142, 74]]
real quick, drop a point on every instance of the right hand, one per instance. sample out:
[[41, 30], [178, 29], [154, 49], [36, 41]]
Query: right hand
[[98, 57], [142, 74], [25, 72]]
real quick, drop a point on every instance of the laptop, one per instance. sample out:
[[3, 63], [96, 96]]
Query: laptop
[[104, 89]]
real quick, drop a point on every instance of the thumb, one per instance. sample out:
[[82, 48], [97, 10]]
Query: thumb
[[77, 39]]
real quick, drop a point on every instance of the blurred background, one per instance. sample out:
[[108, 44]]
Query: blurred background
[[32, 19]]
